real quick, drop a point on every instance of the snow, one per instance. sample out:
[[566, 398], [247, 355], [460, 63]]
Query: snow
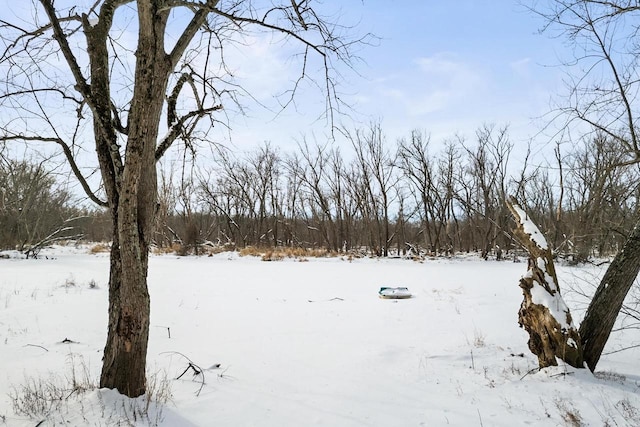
[[303, 343], [530, 228], [554, 303], [163, 140]]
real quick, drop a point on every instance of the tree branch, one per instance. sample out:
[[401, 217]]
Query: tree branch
[[199, 18], [176, 128], [81, 83], [69, 156]]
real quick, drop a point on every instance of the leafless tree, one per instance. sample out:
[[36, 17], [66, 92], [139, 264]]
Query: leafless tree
[[448, 165], [484, 186], [603, 84], [419, 169], [375, 178], [599, 198], [33, 206], [174, 72], [264, 173], [343, 200], [312, 169]]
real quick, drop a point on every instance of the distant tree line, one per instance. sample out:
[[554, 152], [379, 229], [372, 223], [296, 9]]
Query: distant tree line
[[380, 198], [34, 208]]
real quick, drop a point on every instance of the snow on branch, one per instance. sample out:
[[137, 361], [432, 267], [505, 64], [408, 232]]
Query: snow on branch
[[528, 227]]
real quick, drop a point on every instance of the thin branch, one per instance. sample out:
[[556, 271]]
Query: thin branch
[[70, 158], [58, 34], [277, 28]]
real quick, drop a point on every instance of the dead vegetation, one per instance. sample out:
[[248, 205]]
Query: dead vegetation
[[280, 253], [100, 248]]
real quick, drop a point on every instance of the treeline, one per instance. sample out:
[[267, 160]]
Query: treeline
[[33, 206], [385, 197], [379, 197]]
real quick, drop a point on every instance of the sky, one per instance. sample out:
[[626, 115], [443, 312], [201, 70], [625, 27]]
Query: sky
[[439, 66], [442, 67]]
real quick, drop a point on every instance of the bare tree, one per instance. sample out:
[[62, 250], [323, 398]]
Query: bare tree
[[312, 170], [599, 196], [174, 72], [344, 204], [419, 169], [375, 178], [603, 84], [485, 185], [448, 165], [431, 178], [264, 176], [34, 208]]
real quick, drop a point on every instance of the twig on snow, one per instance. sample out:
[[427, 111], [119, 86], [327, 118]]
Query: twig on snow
[[36, 345], [197, 370], [531, 371]]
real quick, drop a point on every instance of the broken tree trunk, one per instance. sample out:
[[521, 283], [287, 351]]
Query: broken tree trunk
[[543, 313]]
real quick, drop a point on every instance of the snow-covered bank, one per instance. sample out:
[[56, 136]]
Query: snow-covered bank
[[307, 343]]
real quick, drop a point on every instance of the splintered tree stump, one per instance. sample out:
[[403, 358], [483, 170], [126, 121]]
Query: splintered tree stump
[[543, 313]]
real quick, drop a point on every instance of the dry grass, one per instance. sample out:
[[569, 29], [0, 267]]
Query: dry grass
[[174, 248], [272, 256], [570, 415], [265, 253], [100, 248], [186, 250], [610, 376], [478, 339], [55, 398], [249, 251], [279, 253]]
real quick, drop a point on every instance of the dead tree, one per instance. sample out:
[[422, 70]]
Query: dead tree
[[543, 313]]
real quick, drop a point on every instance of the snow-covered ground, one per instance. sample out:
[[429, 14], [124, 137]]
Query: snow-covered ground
[[301, 344]]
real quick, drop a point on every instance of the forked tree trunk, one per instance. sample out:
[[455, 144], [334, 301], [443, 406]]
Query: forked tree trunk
[[609, 297], [124, 365], [543, 313]]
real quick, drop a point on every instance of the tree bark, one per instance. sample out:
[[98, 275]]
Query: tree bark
[[609, 297], [543, 313], [124, 360], [124, 365]]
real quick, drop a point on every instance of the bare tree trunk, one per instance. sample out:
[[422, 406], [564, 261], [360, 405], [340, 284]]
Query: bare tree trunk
[[607, 301], [124, 361], [124, 366], [543, 313]]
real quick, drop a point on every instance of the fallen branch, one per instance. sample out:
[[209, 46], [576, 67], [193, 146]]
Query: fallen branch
[[197, 370]]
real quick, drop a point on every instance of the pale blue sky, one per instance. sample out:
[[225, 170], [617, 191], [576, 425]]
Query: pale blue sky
[[440, 66]]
